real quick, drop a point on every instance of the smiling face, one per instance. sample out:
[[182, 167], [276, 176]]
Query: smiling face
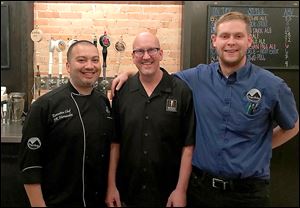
[[148, 63], [231, 42], [84, 66]]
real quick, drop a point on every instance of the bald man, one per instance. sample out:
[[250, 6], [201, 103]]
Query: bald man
[[150, 159]]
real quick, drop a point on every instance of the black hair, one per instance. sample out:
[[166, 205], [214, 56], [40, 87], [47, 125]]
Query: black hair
[[86, 42]]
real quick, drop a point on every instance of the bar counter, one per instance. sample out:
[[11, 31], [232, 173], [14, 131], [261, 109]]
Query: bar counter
[[12, 190]]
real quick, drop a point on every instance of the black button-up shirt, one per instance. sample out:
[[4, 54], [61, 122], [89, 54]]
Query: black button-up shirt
[[152, 132], [65, 147]]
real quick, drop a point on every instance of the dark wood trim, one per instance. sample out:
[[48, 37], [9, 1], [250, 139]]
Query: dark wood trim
[[19, 76]]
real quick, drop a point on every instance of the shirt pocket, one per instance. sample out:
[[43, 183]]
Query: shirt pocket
[[250, 122], [171, 129]]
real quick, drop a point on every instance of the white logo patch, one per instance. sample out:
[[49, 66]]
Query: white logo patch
[[34, 143], [171, 105], [254, 95]]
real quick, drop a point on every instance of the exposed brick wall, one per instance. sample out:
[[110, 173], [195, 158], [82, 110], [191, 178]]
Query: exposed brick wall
[[81, 20]]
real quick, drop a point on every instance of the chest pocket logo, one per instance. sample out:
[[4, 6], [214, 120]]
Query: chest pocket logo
[[253, 96], [171, 105], [34, 143]]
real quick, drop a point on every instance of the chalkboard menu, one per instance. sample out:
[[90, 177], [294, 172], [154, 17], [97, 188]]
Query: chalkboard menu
[[4, 36], [275, 32]]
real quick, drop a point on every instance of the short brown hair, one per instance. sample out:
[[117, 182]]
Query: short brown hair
[[234, 16]]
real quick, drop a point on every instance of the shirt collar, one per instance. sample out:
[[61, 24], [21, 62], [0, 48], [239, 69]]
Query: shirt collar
[[239, 74], [165, 85], [73, 89]]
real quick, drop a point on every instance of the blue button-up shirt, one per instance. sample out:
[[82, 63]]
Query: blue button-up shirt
[[235, 118]]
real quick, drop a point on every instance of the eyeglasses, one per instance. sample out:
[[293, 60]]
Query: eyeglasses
[[141, 52]]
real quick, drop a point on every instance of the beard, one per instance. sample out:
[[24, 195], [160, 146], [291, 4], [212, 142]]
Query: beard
[[88, 83], [83, 83], [232, 61]]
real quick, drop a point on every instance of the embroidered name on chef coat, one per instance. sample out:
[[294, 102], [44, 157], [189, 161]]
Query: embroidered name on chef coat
[[171, 105], [62, 115]]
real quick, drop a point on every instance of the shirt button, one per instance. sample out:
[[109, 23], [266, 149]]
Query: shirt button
[[145, 152], [146, 117], [144, 169], [102, 155], [146, 134], [144, 187], [148, 101]]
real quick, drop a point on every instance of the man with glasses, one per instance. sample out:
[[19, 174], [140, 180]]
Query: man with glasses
[[150, 160], [237, 104]]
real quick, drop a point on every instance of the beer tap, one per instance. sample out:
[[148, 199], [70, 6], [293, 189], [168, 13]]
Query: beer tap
[[38, 82], [120, 48], [95, 40], [36, 36], [105, 43], [60, 47], [51, 50], [71, 41]]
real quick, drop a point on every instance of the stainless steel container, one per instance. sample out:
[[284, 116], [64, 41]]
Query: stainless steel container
[[16, 106]]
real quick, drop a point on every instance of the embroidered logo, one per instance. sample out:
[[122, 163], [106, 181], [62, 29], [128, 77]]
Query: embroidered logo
[[61, 115], [34, 143], [171, 105], [253, 96]]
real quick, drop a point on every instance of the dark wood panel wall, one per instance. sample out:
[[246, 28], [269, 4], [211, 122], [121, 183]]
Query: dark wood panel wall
[[19, 76], [285, 160]]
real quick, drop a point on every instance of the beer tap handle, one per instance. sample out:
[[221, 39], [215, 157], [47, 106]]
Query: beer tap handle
[[50, 63], [60, 64], [95, 40], [38, 73], [51, 50], [104, 54], [105, 43], [36, 89]]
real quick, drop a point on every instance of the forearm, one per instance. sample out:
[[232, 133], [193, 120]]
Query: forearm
[[281, 136], [113, 163], [35, 195], [118, 82], [185, 168], [112, 198], [130, 72]]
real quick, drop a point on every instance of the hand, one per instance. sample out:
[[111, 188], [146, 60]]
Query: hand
[[118, 82], [177, 199], [113, 197]]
